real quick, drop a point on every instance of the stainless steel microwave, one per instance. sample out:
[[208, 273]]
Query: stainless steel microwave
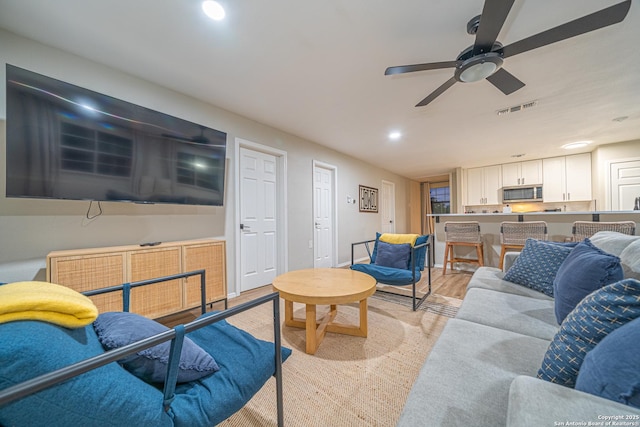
[[531, 193]]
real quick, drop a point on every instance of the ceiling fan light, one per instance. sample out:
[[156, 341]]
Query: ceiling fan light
[[478, 67], [478, 72]]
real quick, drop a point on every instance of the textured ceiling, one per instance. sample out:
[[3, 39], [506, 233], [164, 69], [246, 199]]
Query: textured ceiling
[[316, 70]]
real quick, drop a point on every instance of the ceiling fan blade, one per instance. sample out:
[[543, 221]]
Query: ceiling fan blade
[[433, 95], [603, 18], [401, 69], [505, 81], [492, 19]]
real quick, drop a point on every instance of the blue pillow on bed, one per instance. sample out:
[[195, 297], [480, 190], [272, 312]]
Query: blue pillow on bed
[[117, 329], [394, 255]]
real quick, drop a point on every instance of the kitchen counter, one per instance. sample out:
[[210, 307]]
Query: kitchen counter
[[559, 226]]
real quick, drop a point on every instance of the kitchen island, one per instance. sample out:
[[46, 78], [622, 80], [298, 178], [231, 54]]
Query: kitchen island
[[559, 225]]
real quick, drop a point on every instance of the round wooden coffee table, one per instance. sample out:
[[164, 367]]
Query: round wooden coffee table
[[324, 286]]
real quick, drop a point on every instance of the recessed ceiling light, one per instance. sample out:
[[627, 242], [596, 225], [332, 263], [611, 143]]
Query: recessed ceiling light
[[213, 10], [577, 144], [395, 135]]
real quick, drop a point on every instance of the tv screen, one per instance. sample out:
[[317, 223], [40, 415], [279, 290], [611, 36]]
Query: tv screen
[[67, 142]]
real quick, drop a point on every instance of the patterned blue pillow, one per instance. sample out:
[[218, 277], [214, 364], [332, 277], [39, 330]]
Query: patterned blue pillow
[[537, 265], [600, 313]]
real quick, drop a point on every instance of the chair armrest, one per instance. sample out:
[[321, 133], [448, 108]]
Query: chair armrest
[[366, 245]]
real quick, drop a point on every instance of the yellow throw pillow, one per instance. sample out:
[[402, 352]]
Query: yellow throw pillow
[[399, 238], [45, 302]]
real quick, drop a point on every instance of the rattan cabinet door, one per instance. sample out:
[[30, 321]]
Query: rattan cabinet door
[[210, 257], [88, 272], [161, 298]]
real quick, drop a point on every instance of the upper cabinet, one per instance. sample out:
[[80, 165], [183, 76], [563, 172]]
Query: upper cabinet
[[522, 173], [567, 179], [483, 185]]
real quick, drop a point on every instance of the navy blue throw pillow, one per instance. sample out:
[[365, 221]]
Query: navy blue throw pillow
[[612, 369], [393, 255], [117, 329], [586, 269]]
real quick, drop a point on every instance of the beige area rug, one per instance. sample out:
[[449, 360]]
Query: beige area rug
[[350, 381]]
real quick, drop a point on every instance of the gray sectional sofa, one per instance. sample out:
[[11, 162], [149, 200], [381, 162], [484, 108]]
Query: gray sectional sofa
[[482, 370]]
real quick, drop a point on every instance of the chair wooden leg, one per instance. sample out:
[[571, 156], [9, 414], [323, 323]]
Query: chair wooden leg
[[480, 252], [502, 252], [446, 258]]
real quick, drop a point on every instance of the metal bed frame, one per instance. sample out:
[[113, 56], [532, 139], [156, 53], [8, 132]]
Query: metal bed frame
[[175, 335]]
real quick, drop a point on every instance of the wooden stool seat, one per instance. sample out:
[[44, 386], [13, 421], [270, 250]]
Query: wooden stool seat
[[462, 234], [513, 235]]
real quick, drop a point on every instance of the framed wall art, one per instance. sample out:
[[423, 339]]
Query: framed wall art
[[368, 199]]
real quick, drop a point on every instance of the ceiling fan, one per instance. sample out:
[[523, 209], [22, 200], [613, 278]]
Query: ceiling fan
[[483, 60]]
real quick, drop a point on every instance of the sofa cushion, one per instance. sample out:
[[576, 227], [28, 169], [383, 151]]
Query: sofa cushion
[[612, 242], [533, 402], [493, 279], [393, 255], [586, 269], [537, 265], [111, 396], [600, 313], [612, 369], [630, 259], [246, 364], [465, 380], [117, 329], [387, 275], [106, 396], [524, 315]]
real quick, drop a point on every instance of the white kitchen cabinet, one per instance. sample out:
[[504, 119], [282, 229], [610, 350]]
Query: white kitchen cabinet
[[483, 185], [567, 178], [522, 173]]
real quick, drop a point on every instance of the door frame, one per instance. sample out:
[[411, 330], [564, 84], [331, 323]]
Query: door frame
[[281, 208], [334, 208], [392, 205]]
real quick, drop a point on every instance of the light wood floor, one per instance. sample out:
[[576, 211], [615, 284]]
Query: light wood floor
[[453, 284]]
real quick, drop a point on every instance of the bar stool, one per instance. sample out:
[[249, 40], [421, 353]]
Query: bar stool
[[583, 229], [462, 234], [513, 235]]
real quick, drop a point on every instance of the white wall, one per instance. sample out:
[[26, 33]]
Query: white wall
[[30, 228]]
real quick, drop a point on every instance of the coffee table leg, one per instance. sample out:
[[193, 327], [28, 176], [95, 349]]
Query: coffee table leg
[[310, 328], [288, 313], [363, 317]]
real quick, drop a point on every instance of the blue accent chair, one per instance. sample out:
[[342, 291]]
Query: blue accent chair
[[408, 276]]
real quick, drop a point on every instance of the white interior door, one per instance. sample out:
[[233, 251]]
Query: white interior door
[[258, 219], [388, 207], [625, 184], [323, 216]]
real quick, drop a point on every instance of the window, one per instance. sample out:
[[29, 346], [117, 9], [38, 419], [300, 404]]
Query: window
[[440, 200], [87, 150]]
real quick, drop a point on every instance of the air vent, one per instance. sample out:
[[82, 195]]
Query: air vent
[[516, 108]]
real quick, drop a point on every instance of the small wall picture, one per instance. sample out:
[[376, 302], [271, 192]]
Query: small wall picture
[[368, 199]]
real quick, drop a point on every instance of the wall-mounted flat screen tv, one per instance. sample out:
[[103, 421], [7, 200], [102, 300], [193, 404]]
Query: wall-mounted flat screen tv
[[67, 142]]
